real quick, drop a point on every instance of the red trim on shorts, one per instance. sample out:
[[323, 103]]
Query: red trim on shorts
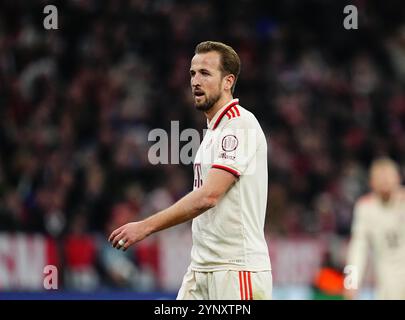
[[245, 285], [250, 287], [240, 285]]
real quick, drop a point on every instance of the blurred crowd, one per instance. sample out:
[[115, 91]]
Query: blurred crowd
[[77, 104]]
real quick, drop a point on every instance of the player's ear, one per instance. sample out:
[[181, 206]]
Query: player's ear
[[229, 80]]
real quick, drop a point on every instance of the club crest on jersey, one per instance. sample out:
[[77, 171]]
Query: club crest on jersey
[[229, 143]]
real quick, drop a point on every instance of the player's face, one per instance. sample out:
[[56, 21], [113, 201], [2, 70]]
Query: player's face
[[384, 181], [206, 79]]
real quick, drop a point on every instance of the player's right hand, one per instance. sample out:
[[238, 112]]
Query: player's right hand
[[129, 233]]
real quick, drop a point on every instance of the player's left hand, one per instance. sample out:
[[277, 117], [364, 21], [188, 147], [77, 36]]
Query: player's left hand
[[127, 235]]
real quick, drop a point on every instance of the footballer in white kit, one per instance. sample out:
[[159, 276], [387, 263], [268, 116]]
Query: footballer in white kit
[[379, 227], [229, 248], [229, 256]]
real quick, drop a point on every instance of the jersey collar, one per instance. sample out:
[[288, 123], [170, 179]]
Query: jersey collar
[[213, 124]]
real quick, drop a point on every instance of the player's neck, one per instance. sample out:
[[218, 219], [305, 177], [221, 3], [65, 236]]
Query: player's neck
[[217, 106], [386, 198]]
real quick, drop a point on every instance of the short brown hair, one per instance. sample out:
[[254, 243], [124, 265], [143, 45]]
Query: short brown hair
[[384, 162], [230, 62]]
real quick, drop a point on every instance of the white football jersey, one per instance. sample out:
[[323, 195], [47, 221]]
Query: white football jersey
[[381, 228], [230, 236]]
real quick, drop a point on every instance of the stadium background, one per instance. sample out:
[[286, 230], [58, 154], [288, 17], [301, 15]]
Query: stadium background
[[77, 104]]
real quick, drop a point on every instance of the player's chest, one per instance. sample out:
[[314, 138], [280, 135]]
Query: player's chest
[[208, 149], [388, 226], [393, 217]]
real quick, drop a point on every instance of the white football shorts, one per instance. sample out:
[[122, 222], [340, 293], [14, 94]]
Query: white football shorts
[[226, 285]]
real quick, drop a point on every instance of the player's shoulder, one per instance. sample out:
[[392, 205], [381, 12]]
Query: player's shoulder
[[401, 194], [367, 199], [238, 116]]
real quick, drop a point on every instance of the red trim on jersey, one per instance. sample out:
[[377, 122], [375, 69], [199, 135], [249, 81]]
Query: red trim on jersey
[[240, 285], [223, 114], [250, 287], [230, 170], [237, 111], [233, 112]]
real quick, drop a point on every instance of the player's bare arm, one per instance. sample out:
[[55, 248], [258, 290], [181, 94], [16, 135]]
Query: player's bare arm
[[190, 206]]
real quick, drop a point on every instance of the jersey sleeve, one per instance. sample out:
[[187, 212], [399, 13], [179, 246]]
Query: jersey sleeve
[[237, 147]]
